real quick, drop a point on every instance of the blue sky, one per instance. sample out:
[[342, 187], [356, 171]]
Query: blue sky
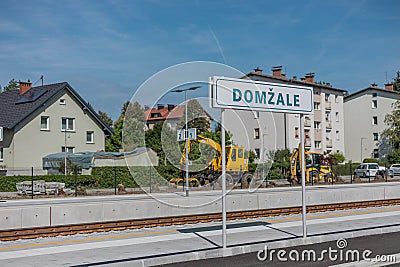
[[107, 49]]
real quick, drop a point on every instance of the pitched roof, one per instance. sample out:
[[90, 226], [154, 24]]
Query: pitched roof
[[14, 108], [159, 114]]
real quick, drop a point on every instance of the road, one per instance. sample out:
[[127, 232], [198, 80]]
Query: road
[[164, 245]]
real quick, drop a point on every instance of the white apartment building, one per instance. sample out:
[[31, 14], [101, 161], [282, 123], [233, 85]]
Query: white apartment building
[[324, 128], [365, 113]]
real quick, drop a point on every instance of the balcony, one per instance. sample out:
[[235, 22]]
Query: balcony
[[307, 143], [318, 134], [328, 105], [307, 122], [329, 124], [317, 115], [329, 143]]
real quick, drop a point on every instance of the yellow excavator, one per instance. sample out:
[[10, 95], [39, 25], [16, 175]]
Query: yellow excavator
[[236, 164], [318, 167]]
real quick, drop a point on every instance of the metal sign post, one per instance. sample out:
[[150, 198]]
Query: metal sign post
[[303, 177], [223, 176], [252, 95]]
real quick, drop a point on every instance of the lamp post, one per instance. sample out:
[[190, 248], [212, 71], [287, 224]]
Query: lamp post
[[186, 134], [65, 151], [361, 154]]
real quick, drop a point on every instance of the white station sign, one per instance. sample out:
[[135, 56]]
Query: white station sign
[[260, 96]]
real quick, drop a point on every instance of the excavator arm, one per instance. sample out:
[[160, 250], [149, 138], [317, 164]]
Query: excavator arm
[[204, 140]]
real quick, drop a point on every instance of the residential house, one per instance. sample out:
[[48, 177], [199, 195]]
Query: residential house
[[266, 131], [38, 121], [171, 113], [365, 113]]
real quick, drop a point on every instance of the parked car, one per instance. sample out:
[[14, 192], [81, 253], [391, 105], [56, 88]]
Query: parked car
[[367, 170], [394, 170]]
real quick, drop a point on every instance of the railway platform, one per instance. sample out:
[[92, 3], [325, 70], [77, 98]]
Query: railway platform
[[164, 245]]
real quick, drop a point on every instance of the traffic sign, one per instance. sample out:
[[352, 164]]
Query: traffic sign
[[181, 135], [191, 134]]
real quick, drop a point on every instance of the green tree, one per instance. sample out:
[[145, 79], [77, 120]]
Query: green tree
[[336, 158], [197, 117], [394, 156], [280, 160], [132, 121], [107, 119], [392, 121], [12, 85]]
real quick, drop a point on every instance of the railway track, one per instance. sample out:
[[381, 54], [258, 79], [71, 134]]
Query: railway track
[[29, 233]]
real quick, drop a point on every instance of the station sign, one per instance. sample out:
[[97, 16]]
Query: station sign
[[260, 96]]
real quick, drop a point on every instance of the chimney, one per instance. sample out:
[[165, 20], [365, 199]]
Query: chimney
[[277, 71], [374, 85], [170, 107], [294, 78], [160, 106], [302, 79], [310, 77], [258, 70], [24, 86], [389, 87]]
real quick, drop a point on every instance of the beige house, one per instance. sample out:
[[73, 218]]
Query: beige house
[[365, 112], [37, 121], [267, 131]]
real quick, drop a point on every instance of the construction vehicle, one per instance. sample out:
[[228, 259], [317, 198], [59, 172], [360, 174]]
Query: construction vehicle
[[236, 164], [318, 167]]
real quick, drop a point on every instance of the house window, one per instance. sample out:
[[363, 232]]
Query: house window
[[257, 133], [1, 154], [328, 135], [336, 99], [337, 116], [90, 137], [337, 135], [70, 149], [296, 132], [374, 103], [317, 106], [155, 115], [44, 123], [68, 124], [376, 136], [327, 97], [317, 125], [376, 153], [317, 144], [257, 152], [374, 94], [62, 101], [375, 120], [327, 116]]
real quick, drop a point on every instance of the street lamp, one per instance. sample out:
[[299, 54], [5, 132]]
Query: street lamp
[[361, 155], [186, 134]]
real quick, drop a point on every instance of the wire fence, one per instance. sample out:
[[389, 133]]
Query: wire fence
[[30, 182]]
